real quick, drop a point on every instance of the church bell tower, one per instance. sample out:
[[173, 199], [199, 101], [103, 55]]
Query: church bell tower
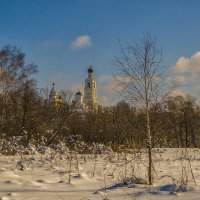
[[90, 91]]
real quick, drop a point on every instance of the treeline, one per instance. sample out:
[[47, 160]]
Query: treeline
[[174, 124], [25, 112]]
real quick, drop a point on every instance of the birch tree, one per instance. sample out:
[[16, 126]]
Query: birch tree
[[142, 81]]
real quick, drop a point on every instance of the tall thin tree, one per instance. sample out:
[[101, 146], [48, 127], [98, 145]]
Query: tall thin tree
[[141, 78]]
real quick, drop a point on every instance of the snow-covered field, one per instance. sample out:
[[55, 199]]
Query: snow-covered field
[[101, 176]]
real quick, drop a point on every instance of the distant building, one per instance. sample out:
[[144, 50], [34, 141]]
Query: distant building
[[88, 101], [54, 98], [78, 100], [90, 92]]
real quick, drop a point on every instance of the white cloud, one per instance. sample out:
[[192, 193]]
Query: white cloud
[[188, 65], [104, 101], [82, 41], [182, 79], [177, 93], [107, 90], [186, 71], [108, 84], [105, 78]]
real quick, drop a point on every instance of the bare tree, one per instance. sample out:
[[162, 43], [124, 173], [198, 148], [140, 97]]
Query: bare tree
[[63, 114], [13, 73], [141, 77], [183, 114]]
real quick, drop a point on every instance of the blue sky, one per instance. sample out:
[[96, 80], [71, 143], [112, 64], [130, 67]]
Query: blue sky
[[63, 36]]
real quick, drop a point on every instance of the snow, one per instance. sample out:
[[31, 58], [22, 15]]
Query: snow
[[100, 176]]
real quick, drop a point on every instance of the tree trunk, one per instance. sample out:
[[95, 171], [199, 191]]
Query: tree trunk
[[149, 146]]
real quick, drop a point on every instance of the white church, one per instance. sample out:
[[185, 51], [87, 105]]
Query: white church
[[86, 101]]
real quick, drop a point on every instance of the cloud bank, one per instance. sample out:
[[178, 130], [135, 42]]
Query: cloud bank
[[188, 65], [107, 90], [187, 72]]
